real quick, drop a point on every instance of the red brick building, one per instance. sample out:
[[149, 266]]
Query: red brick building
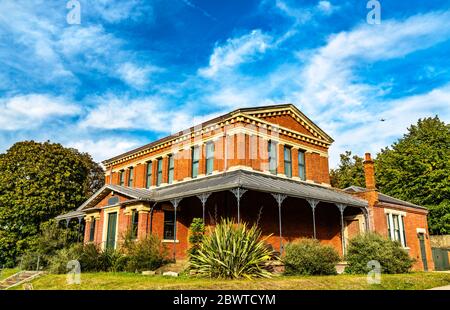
[[265, 165]]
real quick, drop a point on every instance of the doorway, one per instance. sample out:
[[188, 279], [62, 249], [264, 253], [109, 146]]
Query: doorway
[[423, 252], [111, 232]]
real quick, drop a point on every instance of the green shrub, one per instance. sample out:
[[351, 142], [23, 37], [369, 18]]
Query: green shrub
[[58, 262], [232, 251], [46, 245], [90, 258], [310, 257], [371, 246], [94, 259], [196, 235], [144, 254]]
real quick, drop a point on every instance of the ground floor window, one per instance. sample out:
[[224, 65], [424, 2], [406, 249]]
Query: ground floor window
[[92, 231], [134, 224], [396, 228], [169, 217]]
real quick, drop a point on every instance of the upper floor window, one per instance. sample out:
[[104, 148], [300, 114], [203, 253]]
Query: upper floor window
[[121, 178], [130, 176], [195, 160], [287, 161], [170, 168], [92, 230], [209, 157], [159, 172], [301, 165], [396, 228], [148, 175], [134, 224], [272, 153]]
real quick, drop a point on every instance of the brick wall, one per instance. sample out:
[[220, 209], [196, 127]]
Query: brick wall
[[232, 149]]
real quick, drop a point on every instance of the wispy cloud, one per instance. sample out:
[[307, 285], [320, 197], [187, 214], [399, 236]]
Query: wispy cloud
[[29, 111], [332, 91], [113, 11], [196, 7], [103, 148], [236, 51], [136, 76]]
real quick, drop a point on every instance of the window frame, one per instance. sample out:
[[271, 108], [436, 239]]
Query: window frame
[[287, 162], [134, 227], [398, 229], [148, 174], [195, 161], [130, 176], [168, 227], [170, 168], [272, 151], [92, 230], [301, 165], [209, 157], [122, 177], [159, 171]]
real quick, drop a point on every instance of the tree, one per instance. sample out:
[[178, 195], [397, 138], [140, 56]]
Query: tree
[[39, 181], [416, 168], [349, 172]]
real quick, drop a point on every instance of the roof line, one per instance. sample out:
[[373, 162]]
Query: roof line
[[215, 120]]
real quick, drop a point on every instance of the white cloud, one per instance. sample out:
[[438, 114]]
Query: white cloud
[[147, 113], [330, 85], [304, 14], [134, 75], [325, 7], [114, 11], [102, 149], [372, 134], [43, 49], [350, 110], [236, 51], [29, 111]]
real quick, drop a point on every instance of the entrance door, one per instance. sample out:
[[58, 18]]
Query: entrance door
[[111, 233], [423, 251]]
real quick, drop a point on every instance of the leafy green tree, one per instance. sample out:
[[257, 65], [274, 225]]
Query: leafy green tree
[[349, 172], [39, 181], [416, 168]]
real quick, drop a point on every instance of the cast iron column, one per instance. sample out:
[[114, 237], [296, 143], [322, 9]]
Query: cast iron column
[[280, 198], [313, 203]]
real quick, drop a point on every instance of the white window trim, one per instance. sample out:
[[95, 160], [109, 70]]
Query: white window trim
[[400, 214], [393, 211]]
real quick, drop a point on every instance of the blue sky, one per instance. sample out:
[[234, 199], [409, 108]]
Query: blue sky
[[134, 71]]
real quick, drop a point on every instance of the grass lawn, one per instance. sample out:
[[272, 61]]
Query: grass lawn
[[4, 273], [130, 281]]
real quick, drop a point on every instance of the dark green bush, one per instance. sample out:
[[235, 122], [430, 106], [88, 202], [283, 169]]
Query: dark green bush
[[310, 257], [371, 246], [196, 235], [232, 251]]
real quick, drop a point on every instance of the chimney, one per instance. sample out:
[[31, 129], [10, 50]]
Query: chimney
[[369, 172]]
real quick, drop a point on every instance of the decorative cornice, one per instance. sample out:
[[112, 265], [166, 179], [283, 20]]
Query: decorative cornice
[[236, 118]]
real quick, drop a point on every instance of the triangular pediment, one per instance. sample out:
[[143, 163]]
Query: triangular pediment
[[288, 116], [121, 192]]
